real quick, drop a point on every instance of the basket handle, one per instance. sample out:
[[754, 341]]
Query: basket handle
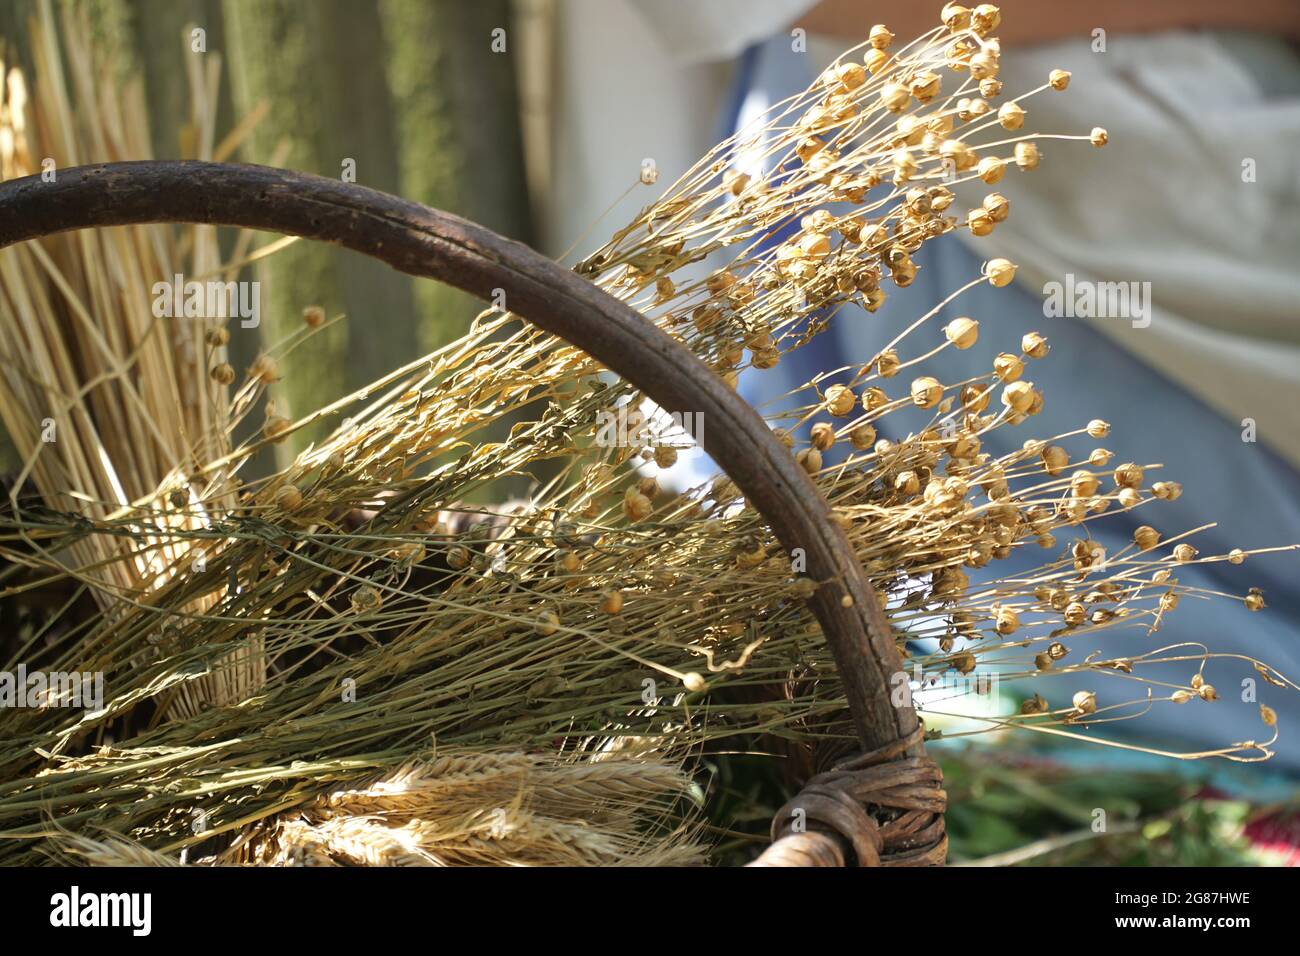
[[426, 242]]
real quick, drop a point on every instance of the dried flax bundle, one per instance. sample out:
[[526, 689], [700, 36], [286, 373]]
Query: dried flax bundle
[[563, 658], [104, 400]]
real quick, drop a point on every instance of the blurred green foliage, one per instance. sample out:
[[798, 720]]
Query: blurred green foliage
[[1012, 806]]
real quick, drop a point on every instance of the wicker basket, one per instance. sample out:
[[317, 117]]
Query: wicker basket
[[883, 807]]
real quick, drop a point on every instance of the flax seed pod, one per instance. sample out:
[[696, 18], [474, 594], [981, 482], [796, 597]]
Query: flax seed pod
[[1007, 367], [1099, 137], [548, 622], [1146, 537], [876, 60], [366, 598], [1255, 600], [887, 363], [907, 483], [840, 400], [895, 97], [941, 197], [975, 397], [983, 66], [694, 683], [926, 391], [1007, 621], [313, 316], [1027, 155], [288, 498], [1129, 497], [815, 245], [957, 54], [1000, 272], [1034, 345], [985, 18], [265, 370], [1098, 429], [961, 155], [979, 222], [705, 316], [1168, 490], [962, 332], [1085, 702], [926, 85], [810, 459], [863, 437], [1011, 116], [1034, 705], [850, 76], [990, 169], [1083, 484], [1018, 396], [1184, 553], [997, 206], [222, 373], [917, 203], [1055, 459], [636, 506], [1128, 476], [276, 429], [823, 436], [897, 257], [1236, 556], [809, 146], [458, 557], [611, 602], [955, 17]]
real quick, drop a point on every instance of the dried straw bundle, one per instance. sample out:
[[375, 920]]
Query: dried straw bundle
[[486, 809], [605, 617], [106, 402]]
